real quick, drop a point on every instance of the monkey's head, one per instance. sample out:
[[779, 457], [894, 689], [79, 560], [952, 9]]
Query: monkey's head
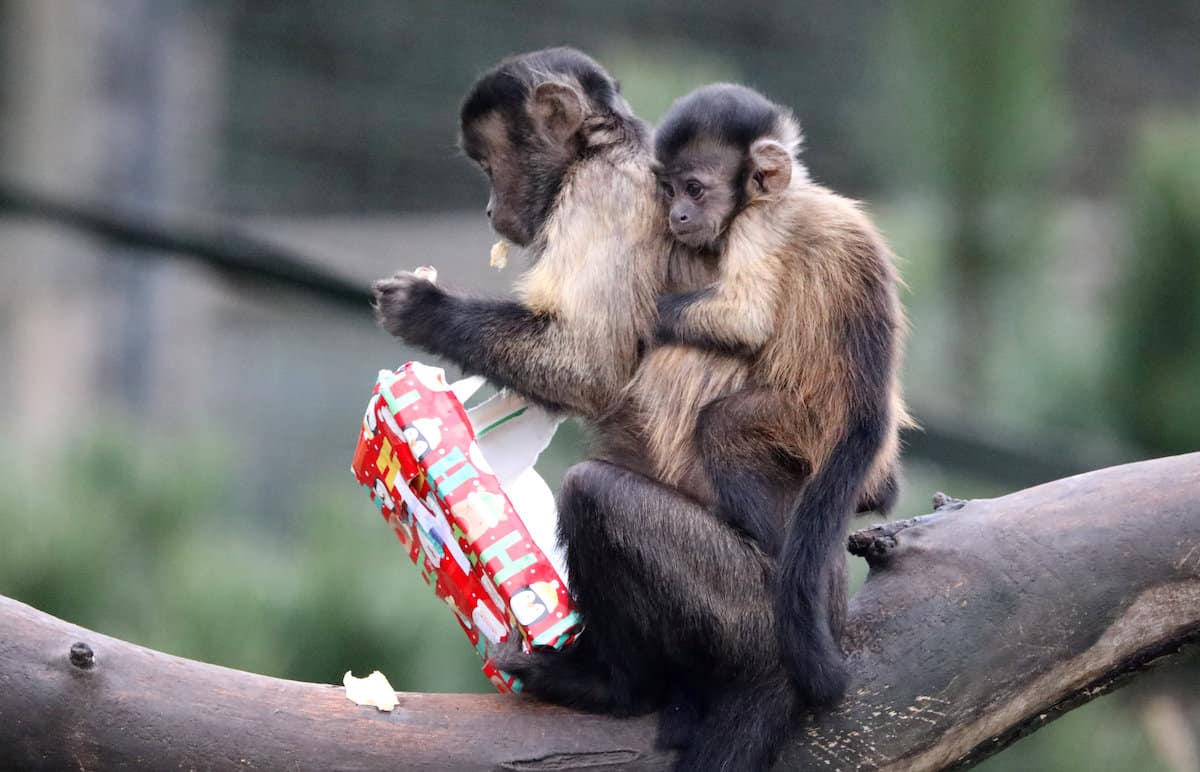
[[718, 150], [527, 120]]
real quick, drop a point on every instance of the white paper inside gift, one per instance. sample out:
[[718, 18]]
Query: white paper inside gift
[[512, 433]]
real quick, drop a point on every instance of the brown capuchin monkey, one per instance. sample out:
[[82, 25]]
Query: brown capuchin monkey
[[807, 293], [569, 167], [677, 603]]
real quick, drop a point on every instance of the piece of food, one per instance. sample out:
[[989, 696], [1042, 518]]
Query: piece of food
[[426, 272], [499, 256], [372, 690]]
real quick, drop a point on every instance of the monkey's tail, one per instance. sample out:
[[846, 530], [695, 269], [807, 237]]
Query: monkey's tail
[[811, 653], [743, 729]]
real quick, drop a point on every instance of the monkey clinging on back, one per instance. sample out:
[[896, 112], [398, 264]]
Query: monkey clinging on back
[[807, 293]]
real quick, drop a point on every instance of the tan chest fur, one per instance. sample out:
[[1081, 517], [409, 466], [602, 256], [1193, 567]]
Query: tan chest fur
[[673, 383], [666, 395], [602, 263], [601, 259]]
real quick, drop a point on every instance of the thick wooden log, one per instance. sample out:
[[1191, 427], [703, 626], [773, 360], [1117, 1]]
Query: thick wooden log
[[978, 624]]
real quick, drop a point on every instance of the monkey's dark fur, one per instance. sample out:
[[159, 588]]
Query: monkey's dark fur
[[678, 603]]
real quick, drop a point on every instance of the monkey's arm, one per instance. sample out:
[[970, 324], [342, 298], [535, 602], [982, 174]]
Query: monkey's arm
[[536, 355], [665, 589], [732, 317], [755, 479]]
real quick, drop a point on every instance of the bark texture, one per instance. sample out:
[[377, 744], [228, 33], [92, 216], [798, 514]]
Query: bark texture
[[978, 624]]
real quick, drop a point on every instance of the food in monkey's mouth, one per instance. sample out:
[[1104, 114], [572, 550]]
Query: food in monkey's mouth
[[499, 256]]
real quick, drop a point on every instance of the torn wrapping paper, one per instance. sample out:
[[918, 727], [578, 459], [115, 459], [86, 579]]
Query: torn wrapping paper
[[459, 489]]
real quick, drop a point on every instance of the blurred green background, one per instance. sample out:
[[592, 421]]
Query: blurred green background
[[174, 468]]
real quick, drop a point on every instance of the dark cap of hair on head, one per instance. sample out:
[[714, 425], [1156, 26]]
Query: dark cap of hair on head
[[506, 86], [732, 114]]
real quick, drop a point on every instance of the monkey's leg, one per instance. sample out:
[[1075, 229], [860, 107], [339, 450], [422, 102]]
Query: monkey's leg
[[536, 355], [658, 579], [684, 710], [662, 586], [576, 677], [740, 439], [643, 554], [745, 726], [807, 611]]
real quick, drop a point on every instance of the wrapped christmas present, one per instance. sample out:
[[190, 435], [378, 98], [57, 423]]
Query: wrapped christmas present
[[459, 489]]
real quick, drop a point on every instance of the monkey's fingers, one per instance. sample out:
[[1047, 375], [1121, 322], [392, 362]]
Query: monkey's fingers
[[400, 282], [383, 290], [510, 656]]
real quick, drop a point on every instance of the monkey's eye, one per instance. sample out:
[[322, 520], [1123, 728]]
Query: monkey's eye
[[668, 190], [695, 189]]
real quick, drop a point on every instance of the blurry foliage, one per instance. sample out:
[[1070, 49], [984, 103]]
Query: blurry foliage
[[1101, 736], [1156, 365], [384, 70], [976, 96], [973, 101], [136, 540], [652, 78]]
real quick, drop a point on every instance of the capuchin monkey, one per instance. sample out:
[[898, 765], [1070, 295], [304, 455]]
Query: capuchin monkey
[[678, 604], [807, 293], [570, 172], [571, 177]]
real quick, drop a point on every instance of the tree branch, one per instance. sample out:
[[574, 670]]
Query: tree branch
[[244, 257], [977, 625]]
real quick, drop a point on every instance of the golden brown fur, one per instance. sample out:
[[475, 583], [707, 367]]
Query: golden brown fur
[[604, 258], [793, 269], [669, 618], [662, 403], [807, 293], [600, 269]]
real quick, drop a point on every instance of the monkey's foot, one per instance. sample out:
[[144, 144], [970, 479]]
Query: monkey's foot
[[572, 677]]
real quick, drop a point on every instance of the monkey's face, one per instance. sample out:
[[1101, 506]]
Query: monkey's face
[[701, 186], [524, 172], [523, 123], [495, 144]]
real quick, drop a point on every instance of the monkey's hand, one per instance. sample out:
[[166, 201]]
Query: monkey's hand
[[533, 669], [568, 677], [673, 324], [511, 657], [406, 306], [534, 354], [705, 320]]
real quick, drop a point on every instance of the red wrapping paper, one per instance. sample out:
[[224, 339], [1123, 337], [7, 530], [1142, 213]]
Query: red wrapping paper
[[419, 458]]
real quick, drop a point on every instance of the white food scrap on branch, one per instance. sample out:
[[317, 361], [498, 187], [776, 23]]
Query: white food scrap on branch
[[373, 690]]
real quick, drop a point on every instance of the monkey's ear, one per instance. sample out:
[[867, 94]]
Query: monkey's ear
[[557, 111], [772, 168]]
